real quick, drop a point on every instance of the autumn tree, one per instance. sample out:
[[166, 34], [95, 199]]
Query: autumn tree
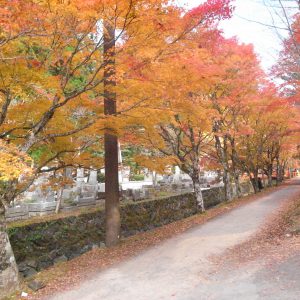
[[287, 73], [45, 69], [180, 126], [287, 69], [51, 70], [238, 79], [183, 138], [157, 31]]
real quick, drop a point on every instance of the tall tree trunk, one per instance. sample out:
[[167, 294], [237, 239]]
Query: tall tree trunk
[[59, 200], [255, 187], [254, 181], [277, 171], [112, 205], [198, 193], [195, 175], [270, 180], [270, 173], [235, 172], [282, 171], [227, 184], [9, 280], [237, 185], [223, 157]]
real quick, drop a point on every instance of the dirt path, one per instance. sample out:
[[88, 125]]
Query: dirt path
[[180, 268]]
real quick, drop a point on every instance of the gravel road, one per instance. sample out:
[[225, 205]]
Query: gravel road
[[180, 268]]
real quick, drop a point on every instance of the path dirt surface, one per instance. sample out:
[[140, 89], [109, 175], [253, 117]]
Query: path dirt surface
[[181, 268]]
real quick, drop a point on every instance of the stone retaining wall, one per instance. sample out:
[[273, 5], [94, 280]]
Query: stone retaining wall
[[40, 245]]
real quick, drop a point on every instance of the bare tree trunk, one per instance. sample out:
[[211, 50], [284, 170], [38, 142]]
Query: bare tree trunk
[[227, 184], [255, 187], [269, 174], [278, 175], [237, 185], [282, 172], [223, 157], [235, 172], [59, 200], [198, 193], [282, 169], [112, 205], [270, 180], [290, 173], [254, 182], [9, 280]]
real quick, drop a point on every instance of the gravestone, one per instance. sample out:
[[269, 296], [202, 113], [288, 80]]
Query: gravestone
[[137, 195], [177, 175], [69, 177], [80, 177], [93, 177]]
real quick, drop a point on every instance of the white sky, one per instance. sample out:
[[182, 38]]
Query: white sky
[[266, 40]]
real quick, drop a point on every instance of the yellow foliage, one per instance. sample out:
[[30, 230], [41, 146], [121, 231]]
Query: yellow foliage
[[13, 163]]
